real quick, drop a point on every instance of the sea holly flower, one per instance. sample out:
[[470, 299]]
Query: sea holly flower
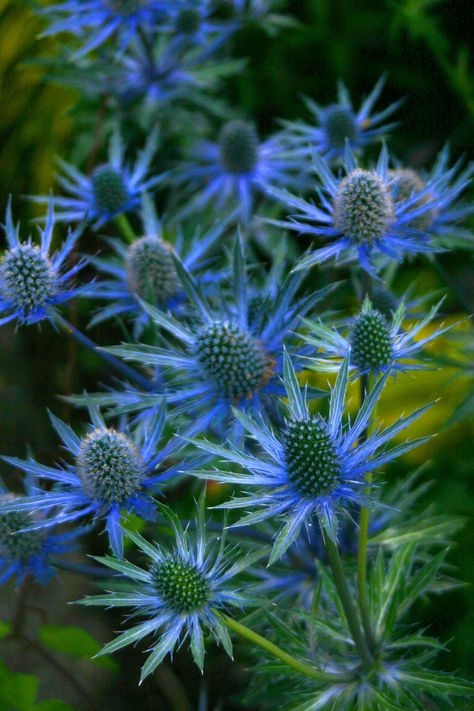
[[437, 195], [145, 269], [31, 552], [111, 189], [99, 20], [373, 343], [339, 123], [238, 166], [113, 471], [33, 279], [192, 24], [359, 213], [180, 591], [311, 468], [227, 353]]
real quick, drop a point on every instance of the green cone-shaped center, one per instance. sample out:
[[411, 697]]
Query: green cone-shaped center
[[339, 123], [151, 273], [181, 585], [371, 342], [312, 460], [13, 545], [110, 466], [110, 192], [27, 277], [363, 207], [234, 361], [238, 143]]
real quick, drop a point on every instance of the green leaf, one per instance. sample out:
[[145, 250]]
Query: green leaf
[[438, 683], [17, 691], [4, 629], [75, 642]]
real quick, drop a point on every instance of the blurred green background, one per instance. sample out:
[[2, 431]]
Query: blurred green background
[[426, 47]]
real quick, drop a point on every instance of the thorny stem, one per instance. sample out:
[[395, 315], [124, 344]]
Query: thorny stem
[[345, 596], [296, 664], [363, 541], [125, 228], [21, 600], [126, 370]]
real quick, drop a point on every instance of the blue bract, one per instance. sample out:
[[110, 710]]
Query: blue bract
[[340, 123], [312, 467], [32, 278], [98, 20], [29, 552], [113, 471], [375, 341], [180, 591], [145, 269], [228, 351], [111, 189], [239, 166], [360, 214]]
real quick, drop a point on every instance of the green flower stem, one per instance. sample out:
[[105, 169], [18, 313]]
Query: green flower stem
[[125, 228], [350, 610], [296, 664], [366, 382]]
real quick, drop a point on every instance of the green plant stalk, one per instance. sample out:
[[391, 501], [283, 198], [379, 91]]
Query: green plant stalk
[[350, 609], [366, 382], [126, 229], [296, 664]]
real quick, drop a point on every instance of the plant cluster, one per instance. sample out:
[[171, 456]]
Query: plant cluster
[[228, 264]]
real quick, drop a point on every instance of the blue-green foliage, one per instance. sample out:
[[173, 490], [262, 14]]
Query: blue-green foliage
[[225, 269]]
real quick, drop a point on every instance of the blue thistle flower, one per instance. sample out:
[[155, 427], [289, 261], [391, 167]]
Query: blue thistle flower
[[33, 280], [311, 467], [111, 189], [221, 358], [374, 343], [433, 197], [340, 123], [145, 269], [113, 470], [180, 592], [359, 213], [192, 24], [239, 166], [99, 20], [29, 552]]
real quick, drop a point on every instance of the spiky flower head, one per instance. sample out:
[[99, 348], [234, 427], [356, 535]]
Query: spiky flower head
[[180, 591], [407, 184], [180, 584], [363, 207], [339, 124], [27, 548], [32, 279], [371, 341], [233, 359], [99, 21], [358, 213], [109, 190], [309, 468], [146, 269], [374, 342], [17, 547], [238, 141], [110, 466], [27, 278], [225, 354], [151, 273], [114, 187], [312, 460], [114, 471]]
